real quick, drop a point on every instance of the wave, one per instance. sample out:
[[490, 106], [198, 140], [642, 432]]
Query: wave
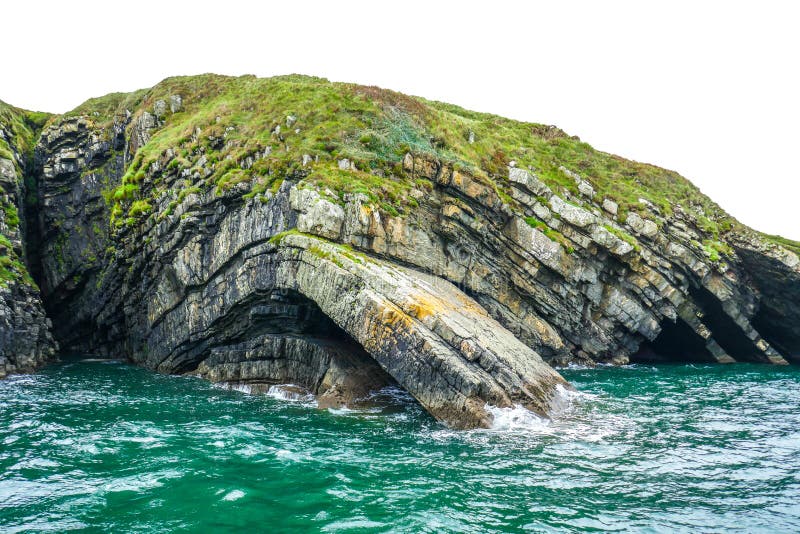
[[573, 418], [515, 418], [234, 495], [291, 393]]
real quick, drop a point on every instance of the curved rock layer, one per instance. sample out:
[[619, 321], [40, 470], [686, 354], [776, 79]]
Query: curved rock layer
[[433, 340], [223, 290]]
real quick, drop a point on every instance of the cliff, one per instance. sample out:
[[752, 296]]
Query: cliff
[[25, 338], [340, 237]]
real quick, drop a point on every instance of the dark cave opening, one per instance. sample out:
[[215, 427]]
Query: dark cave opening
[[274, 314], [282, 337], [289, 313], [776, 319], [676, 342], [726, 332], [777, 331]]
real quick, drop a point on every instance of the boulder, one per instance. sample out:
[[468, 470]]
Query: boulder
[[318, 216], [641, 226]]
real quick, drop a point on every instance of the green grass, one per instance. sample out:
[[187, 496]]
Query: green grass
[[232, 132], [625, 236], [11, 267], [24, 127], [342, 249], [139, 208], [788, 244], [21, 128], [553, 235], [545, 149], [12, 215], [103, 110], [715, 250], [227, 121]]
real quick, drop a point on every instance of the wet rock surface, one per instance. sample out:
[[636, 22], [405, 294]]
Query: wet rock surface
[[26, 342]]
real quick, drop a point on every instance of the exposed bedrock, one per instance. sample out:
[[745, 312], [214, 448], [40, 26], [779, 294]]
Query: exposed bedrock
[[429, 337], [26, 342], [25, 339], [74, 165], [460, 300], [221, 289], [775, 274], [436, 342]]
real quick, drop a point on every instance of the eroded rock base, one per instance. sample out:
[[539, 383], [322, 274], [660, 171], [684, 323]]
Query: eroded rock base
[[336, 375]]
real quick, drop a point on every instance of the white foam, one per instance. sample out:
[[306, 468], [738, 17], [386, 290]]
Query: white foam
[[282, 392], [233, 386], [563, 400], [575, 418], [515, 417], [234, 495], [289, 392], [342, 410], [572, 366], [392, 394]]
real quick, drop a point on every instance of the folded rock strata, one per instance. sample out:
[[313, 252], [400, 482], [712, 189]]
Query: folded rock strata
[[257, 263]]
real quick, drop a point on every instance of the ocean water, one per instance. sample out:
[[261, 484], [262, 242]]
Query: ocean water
[[104, 446]]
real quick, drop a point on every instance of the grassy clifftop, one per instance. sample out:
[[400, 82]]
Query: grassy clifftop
[[19, 130], [348, 138], [228, 119]]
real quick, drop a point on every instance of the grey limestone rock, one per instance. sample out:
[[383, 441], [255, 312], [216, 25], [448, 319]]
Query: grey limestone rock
[[175, 103]]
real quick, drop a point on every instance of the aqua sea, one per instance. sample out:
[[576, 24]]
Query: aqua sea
[[105, 446]]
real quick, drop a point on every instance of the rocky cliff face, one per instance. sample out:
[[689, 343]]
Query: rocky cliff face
[[25, 339], [230, 289], [340, 238]]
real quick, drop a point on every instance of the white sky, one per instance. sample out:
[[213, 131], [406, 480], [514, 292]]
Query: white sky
[[709, 89]]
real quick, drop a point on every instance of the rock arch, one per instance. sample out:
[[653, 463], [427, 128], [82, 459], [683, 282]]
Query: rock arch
[[432, 339]]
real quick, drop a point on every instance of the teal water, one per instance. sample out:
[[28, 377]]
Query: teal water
[[110, 447]]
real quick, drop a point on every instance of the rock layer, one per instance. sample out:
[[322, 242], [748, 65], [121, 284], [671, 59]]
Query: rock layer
[[218, 288], [26, 342]]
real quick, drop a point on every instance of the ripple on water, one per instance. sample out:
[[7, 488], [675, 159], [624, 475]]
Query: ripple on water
[[108, 446], [234, 495]]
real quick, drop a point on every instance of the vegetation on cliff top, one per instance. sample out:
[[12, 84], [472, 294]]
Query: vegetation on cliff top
[[104, 109], [258, 130], [20, 130], [344, 138], [788, 244]]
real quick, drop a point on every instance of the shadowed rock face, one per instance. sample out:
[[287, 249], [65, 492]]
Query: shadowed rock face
[[286, 339], [430, 338], [775, 273], [215, 291], [26, 342]]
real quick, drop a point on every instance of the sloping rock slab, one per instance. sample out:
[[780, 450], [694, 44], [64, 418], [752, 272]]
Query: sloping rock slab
[[435, 341]]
